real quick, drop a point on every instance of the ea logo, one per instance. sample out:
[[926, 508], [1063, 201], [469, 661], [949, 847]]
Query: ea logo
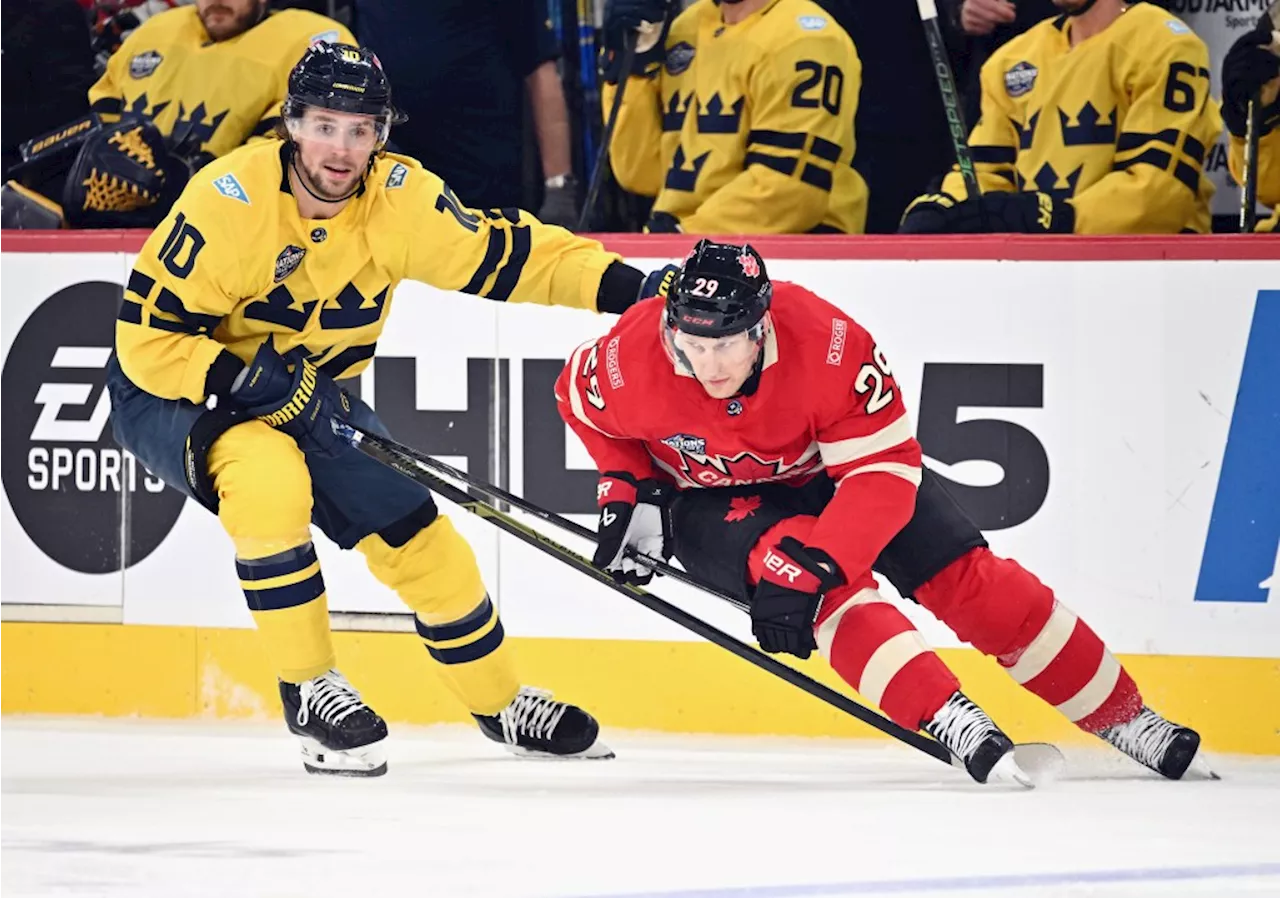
[[68, 481]]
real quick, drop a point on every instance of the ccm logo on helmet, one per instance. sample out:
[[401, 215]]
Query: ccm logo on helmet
[[781, 566]]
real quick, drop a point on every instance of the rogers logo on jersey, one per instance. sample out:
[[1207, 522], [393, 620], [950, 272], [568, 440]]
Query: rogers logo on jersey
[[611, 364], [64, 475], [835, 352]]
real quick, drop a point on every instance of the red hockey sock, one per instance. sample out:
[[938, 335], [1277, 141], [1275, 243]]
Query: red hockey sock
[[1003, 610], [873, 647], [878, 652]]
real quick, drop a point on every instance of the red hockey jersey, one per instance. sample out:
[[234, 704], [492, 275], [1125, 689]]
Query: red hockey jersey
[[826, 405]]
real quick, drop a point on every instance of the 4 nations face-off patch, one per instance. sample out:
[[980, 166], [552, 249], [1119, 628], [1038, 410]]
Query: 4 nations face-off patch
[[288, 261], [143, 64], [1019, 80], [679, 58]]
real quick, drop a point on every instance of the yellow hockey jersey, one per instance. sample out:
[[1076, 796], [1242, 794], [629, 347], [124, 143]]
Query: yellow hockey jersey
[[169, 71], [747, 128], [1118, 124], [234, 263]]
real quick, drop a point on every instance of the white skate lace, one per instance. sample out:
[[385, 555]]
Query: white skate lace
[[533, 712], [961, 726], [1145, 738], [331, 697]]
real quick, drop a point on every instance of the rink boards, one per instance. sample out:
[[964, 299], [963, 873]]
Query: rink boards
[[1107, 410]]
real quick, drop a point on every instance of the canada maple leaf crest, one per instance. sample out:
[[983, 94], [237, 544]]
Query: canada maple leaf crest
[[745, 467], [742, 507], [750, 267]]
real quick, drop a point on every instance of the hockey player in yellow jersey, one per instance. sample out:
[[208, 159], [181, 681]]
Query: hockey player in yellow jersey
[[271, 278], [1251, 69], [739, 119], [212, 74], [1094, 122], [188, 85]]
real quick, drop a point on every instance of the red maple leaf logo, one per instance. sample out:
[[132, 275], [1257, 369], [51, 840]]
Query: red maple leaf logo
[[750, 267], [741, 508]]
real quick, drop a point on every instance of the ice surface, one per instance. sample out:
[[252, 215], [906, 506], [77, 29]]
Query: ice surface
[[111, 808]]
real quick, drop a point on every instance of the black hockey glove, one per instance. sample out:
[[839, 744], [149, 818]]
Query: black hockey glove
[[663, 223], [649, 21], [632, 513], [658, 283], [291, 395], [789, 594], [928, 214], [998, 212], [1247, 66]]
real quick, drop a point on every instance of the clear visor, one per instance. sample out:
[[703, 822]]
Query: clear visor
[[343, 130], [693, 353]]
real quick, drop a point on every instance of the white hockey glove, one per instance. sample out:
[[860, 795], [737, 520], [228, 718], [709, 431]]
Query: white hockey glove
[[632, 513]]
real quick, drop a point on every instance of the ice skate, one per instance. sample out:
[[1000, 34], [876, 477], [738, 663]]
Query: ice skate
[[340, 734], [971, 736], [535, 725], [1165, 747]]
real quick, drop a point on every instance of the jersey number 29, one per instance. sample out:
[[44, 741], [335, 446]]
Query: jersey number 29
[[872, 379]]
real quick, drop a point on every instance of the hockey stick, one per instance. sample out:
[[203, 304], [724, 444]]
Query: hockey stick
[[421, 469], [597, 172], [658, 566], [950, 98], [1040, 760], [1249, 190]]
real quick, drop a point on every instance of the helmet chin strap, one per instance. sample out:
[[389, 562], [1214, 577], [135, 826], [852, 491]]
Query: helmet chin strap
[[302, 179]]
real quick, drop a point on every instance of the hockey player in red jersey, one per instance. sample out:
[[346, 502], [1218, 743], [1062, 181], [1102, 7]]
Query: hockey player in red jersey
[[756, 431]]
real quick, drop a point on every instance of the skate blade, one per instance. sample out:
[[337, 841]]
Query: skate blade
[[367, 760], [1007, 771], [1041, 762], [598, 751], [1030, 764]]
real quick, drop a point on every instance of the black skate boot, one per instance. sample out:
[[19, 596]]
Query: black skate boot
[[340, 734], [1165, 747], [535, 725], [967, 732]]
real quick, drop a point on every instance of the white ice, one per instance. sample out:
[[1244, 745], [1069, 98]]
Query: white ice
[[110, 808]]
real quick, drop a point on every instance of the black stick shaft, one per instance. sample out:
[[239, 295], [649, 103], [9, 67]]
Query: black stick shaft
[[414, 465], [572, 527], [950, 96], [602, 154], [1249, 190]]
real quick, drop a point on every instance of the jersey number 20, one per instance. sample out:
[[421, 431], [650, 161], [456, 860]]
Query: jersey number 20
[[827, 79]]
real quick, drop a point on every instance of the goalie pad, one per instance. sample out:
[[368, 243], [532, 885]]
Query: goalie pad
[[124, 177], [22, 209]]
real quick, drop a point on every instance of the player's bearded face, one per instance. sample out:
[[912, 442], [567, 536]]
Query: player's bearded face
[[224, 19], [721, 364], [333, 150]]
